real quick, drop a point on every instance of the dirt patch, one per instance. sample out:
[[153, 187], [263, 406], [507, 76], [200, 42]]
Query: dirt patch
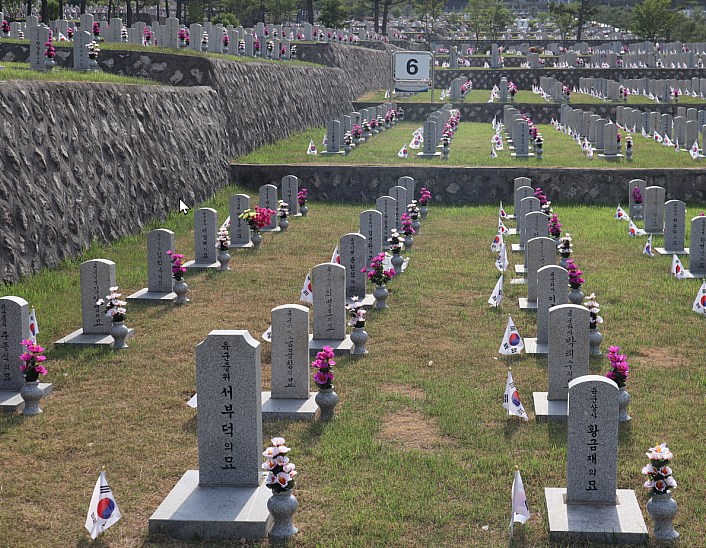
[[660, 357], [405, 390], [410, 429]]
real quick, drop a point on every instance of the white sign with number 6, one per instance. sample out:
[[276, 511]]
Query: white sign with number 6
[[411, 66]]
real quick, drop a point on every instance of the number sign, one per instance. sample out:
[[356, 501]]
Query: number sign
[[411, 66]]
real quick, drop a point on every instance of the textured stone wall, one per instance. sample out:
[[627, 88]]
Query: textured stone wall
[[85, 162], [460, 186]]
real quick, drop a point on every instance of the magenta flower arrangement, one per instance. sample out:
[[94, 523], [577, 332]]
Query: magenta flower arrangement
[[324, 368], [554, 226], [257, 218], [226, 40], [32, 361], [183, 35], [302, 196], [280, 471], [373, 123], [178, 269], [544, 202], [406, 223], [96, 29], [356, 131], [116, 309], [69, 32], [619, 366], [376, 271], [575, 275], [5, 26], [658, 472], [50, 52], [256, 44], [424, 196], [636, 195]]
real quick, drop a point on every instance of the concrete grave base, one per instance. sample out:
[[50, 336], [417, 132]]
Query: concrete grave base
[[517, 248], [275, 229], [340, 347], [146, 296], [240, 246], [368, 301], [610, 157], [528, 155], [288, 409], [433, 155], [549, 410], [520, 269], [512, 232], [12, 402], [79, 338], [621, 523], [533, 347], [193, 265], [325, 153], [527, 305], [663, 251], [510, 217], [191, 512], [518, 281]]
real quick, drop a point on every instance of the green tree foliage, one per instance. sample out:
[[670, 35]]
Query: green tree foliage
[[654, 19], [498, 19], [333, 13], [564, 17], [429, 11], [281, 11], [53, 10], [475, 13]]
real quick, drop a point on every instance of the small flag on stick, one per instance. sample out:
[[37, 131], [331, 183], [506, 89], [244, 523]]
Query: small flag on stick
[[520, 509], [496, 298], [700, 301], [33, 326], [512, 341], [677, 268], [307, 293], [335, 256], [648, 247], [103, 511], [267, 335], [511, 400], [312, 148], [620, 214]]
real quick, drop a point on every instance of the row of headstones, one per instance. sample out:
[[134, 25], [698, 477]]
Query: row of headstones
[[517, 130], [669, 220], [684, 128], [552, 87], [602, 134], [647, 86], [457, 88], [38, 36], [337, 129], [433, 130]]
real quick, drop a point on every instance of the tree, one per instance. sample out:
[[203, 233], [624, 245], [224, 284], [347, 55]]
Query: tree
[[332, 13], [498, 19], [587, 10], [281, 10], [654, 19], [386, 5], [429, 11], [564, 17], [475, 12]]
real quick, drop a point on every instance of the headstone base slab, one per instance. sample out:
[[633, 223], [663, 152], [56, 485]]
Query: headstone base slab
[[512, 232], [663, 251], [325, 153], [240, 246], [368, 301], [518, 281], [528, 155], [79, 338], [275, 229], [193, 265], [622, 523], [12, 402], [511, 217], [433, 155], [144, 295], [517, 248], [526, 304], [520, 269], [533, 347], [549, 410], [610, 157], [193, 512], [288, 409], [342, 347]]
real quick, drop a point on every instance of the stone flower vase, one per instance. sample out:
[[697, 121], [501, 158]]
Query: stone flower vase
[[539, 152], [181, 289], [576, 295], [397, 261], [31, 394], [408, 242], [595, 338], [283, 223], [224, 259], [49, 64], [282, 506], [628, 153], [326, 399], [623, 402], [119, 331], [662, 508], [380, 293], [346, 150], [256, 239], [564, 257], [445, 153], [416, 225], [303, 210], [424, 211], [637, 212], [359, 337]]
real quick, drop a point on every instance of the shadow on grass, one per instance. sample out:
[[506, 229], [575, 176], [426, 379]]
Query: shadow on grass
[[558, 432], [10, 421], [512, 425], [190, 425], [625, 433]]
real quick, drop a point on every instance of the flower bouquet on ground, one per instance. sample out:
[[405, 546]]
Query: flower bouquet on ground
[[280, 471], [32, 361], [407, 230], [93, 50], [282, 209], [619, 366], [593, 309], [356, 133], [424, 199]]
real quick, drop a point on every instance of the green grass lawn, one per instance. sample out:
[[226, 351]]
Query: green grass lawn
[[470, 147], [21, 71], [421, 453]]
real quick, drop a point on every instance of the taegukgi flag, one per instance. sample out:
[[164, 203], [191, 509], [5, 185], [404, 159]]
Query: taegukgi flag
[[103, 511], [512, 341], [700, 301], [501, 226], [403, 153], [677, 268], [502, 214], [312, 148], [633, 230], [502, 263], [648, 247], [496, 298], [497, 242], [511, 399], [621, 215], [520, 509], [33, 326], [307, 293], [335, 256], [267, 335]]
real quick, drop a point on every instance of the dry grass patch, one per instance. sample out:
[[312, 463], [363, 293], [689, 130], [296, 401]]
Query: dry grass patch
[[405, 390], [409, 429], [660, 357]]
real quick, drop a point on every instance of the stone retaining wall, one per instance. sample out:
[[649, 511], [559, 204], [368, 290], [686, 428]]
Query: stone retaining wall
[[462, 186]]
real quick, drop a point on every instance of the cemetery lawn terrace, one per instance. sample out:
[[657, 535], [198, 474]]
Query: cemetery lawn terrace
[[421, 453], [470, 147], [20, 71]]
